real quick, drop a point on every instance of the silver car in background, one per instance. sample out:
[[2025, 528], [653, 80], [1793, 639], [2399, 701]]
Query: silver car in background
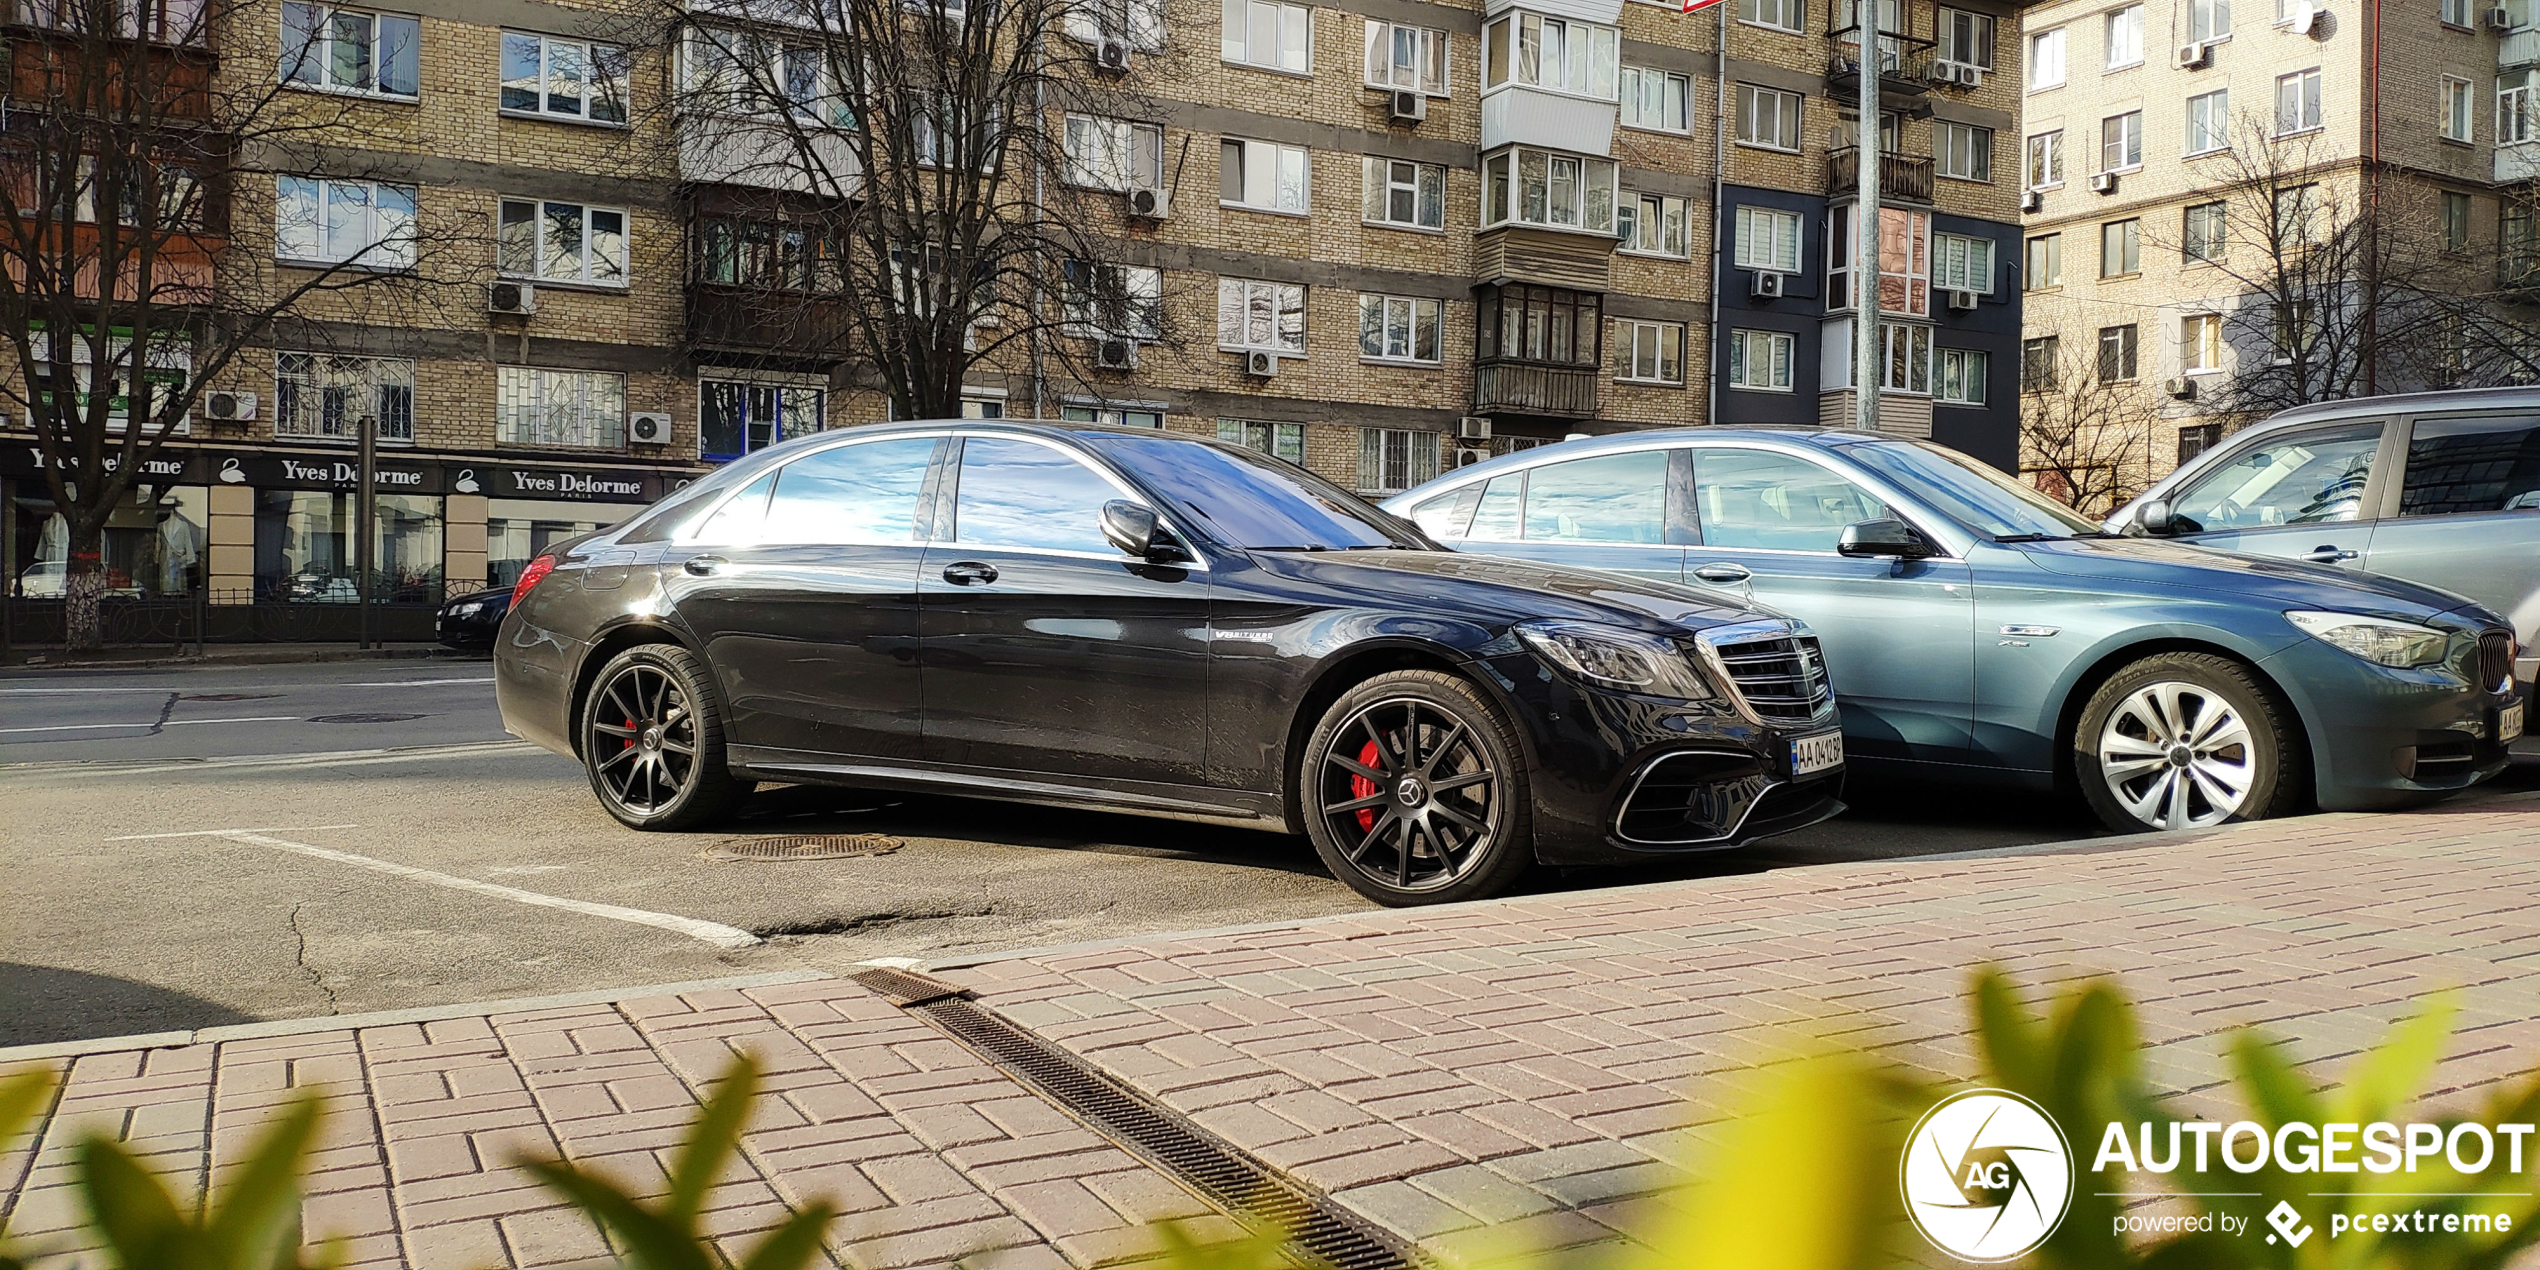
[[2439, 488]]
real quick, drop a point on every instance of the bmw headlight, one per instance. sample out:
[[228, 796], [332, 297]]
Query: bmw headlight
[[2375, 639], [1616, 657]]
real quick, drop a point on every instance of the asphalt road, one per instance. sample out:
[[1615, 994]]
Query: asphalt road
[[205, 846]]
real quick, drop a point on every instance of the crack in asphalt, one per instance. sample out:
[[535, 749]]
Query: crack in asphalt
[[300, 958], [166, 709], [867, 922]]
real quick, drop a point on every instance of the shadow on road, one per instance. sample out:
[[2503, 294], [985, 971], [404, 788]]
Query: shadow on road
[[43, 1004]]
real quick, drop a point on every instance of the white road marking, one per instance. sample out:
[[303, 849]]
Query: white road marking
[[318, 758], [172, 723], [214, 833], [407, 683], [715, 933], [49, 692]]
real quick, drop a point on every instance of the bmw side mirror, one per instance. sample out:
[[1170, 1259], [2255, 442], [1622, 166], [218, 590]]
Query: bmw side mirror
[[1882, 537], [1129, 527], [2156, 518]]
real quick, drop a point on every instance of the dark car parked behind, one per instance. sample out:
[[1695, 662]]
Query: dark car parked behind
[[471, 620]]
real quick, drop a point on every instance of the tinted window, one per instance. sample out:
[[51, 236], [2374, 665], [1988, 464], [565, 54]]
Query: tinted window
[[854, 494], [1974, 493], [1503, 502], [737, 522], [2472, 465], [2305, 479], [1023, 494], [1755, 498], [1609, 498], [1251, 500]]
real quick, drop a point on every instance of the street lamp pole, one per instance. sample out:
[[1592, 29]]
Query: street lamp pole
[[365, 517], [1868, 159]]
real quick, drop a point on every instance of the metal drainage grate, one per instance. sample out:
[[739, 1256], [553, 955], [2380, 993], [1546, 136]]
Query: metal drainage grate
[[816, 846], [1319, 1231], [362, 718]]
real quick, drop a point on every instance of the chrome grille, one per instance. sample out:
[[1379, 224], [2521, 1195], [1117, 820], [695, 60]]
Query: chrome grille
[[2495, 660], [1778, 672]]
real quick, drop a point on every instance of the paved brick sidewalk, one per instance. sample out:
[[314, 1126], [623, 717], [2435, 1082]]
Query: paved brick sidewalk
[[1527, 1067]]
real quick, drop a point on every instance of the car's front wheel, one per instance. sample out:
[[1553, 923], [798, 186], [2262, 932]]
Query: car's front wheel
[[2186, 741], [1413, 791], [652, 741]]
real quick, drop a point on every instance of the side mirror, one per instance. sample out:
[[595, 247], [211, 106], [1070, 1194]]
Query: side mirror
[[1129, 527], [2156, 517], [1881, 537]]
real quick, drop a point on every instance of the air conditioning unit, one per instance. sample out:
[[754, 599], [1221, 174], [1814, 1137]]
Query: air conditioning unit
[[1942, 73], [1467, 456], [2031, 200], [648, 427], [1962, 301], [1407, 105], [1971, 76], [2500, 19], [1113, 55], [1150, 202], [512, 297], [1261, 364], [1472, 428], [2183, 389], [2104, 183], [230, 407], [1113, 353], [2192, 57], [1765, 285]]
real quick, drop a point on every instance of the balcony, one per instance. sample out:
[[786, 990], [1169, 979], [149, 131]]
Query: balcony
[[2518, 277], [1534, 388], [1904, 178], [1904, 70], [1515, 114], [766, 322]]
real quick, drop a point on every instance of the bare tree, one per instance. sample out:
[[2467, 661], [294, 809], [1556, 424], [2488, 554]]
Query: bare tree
[[130, 157], [2085, 435]]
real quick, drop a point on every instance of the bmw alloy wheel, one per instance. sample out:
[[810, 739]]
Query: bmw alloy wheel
[[2177, 756]]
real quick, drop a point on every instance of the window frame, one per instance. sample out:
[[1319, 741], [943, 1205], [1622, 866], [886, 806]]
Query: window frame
[[2455, 243], [1978, 359], [1503, 63], [1277, 62], [1675, 85], [323, 221], [317, 53], [1377, 188], [2210, 112], [2310, 102], [2049, 155], [1634, 206], [2200, 344], [2456, 95], [1978, 148], [1742, 226], [2108, 38], [1278, 152], [2518, 108], [612, 425], [594, 90], [779, 429], [1279, 294], [1944, 244], [1383, 36], [1138, 290], [311, 380], [1747, 113], [2120, 354], [1982, 28], [1129, 138], [538, 220], [2219, 230], [1375, 444], [1627, 347], [2215, 16], [2128, 242], [2041, 358], [2127, 140], [1514, 159], [2037, 63], [1412, 307], [2051, 246], [1277, 436], [1780, 348]]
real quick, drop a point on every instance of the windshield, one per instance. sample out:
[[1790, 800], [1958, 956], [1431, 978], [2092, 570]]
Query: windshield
[[1971, 492], [1252, 500]]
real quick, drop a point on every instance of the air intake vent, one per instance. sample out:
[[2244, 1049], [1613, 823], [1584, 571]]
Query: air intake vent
[[1778, 673], [2496, 660]]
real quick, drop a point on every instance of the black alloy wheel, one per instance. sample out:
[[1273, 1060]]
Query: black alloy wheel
[[1413, 792], [652, 741]]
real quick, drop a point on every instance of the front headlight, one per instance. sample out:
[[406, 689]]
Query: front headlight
[[2375, 639], [1617, 657]]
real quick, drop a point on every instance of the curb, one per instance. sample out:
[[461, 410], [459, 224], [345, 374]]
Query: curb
[[278, 657]]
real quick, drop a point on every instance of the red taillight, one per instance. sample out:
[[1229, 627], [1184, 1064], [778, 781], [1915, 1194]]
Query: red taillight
[[530, 578]]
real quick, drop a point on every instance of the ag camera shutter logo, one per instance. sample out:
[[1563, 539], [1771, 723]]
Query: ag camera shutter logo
[[1987, 1175]]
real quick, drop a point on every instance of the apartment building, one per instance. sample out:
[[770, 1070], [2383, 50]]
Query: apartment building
[[1395, 234]]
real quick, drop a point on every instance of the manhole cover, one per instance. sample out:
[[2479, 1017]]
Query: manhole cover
[[362, 718], [226, 696], [816, 846]]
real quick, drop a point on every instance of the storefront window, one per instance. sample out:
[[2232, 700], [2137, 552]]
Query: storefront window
[[305, 547], [153, 545], [517, 531]]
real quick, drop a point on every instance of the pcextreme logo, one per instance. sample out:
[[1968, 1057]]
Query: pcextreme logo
[[1987, 1175]]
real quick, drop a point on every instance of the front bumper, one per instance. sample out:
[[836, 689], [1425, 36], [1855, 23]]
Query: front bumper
[[2387, 737]]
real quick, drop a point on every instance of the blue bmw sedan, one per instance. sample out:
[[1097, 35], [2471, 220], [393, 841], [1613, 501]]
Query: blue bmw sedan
[[1979, 632]]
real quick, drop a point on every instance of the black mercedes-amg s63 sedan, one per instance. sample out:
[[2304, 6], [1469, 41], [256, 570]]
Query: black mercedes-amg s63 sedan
[[1139, 621]]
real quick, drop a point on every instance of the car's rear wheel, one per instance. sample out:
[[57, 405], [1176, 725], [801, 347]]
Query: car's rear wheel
[[2186, 741], [1413, 791], [652, 741]]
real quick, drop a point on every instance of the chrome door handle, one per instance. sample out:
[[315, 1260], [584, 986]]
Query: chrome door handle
[[966, 572], [1724, 574], [2327, 553], [704, 566]]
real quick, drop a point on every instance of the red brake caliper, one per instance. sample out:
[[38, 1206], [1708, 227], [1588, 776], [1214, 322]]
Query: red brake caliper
[[1361, 787], [631, 738]]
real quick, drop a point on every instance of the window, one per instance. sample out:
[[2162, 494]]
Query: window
[[2456, 13], [1649, 352], [1904, 240], [1400, 192], [747, 73], [1767, 118], [1657, 100], [1263, 176], [2465, 466], [1278, 440], [2120, 248], [2455, 221], [2046, 59], [1962, 262], [2200, 343], [1113, 416], [1544, 325], [2209, 121], [2045, 261], [1113, 154], [2516, 240], [2455, 106], [736, 418], [1554, 53], [1965, 151], [2309, 478], [1760, 360], [1767, 239], [307, 545], [1401, 56], [1542, 187], [1260, 315], [2039, 361], [1118, 301], [1965, 38], [561, 242], [1907, 367], [1399, 329], [854, 495], [1391, 460], [2196, 438], [1141, 22], [1960, 380], [1756, 499], [570, 79], [1609, 498], [2297, 102], [769, 254], [2297, 215], [2046, 160], [1269, 35], [348, 50], [2517, 107], [348, 222], [943, 132], [1653, 224], [1781, 15], [2208, 20], [585, 409], [2125, 37], [2296, 331], [2116, 353], [1028, 495], [2201, 232], [329, 398], [2121, 142]]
